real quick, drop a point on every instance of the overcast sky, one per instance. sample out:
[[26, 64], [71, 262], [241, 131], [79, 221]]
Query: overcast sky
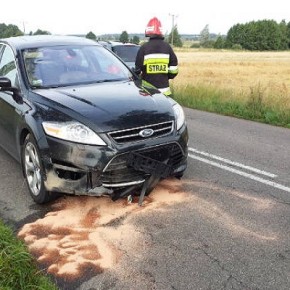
[[115, 16]]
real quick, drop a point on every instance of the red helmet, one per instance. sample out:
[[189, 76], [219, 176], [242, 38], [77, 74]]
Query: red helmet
[[154, 28]]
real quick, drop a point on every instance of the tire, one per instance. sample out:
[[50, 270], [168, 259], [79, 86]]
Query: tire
[[33, 171]]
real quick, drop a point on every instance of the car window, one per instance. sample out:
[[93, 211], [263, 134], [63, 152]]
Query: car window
[[70, 65], [8, 67], [127, 52]]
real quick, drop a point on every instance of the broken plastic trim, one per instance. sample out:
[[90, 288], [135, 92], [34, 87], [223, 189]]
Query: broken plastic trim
[[148, 165], [156, 170]]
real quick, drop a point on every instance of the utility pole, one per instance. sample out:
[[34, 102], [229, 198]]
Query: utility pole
[[23, 25], [172, 29]]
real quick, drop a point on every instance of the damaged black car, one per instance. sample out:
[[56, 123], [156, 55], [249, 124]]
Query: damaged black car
[[80, 122]]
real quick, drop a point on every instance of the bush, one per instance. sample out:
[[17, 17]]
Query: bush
[[195, 45], [237, 47]]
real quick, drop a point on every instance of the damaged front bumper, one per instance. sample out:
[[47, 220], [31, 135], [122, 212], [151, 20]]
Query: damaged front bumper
[[91, 170]]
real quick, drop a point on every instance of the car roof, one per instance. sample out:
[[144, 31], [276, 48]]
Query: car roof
[[115, 43], [22, 42]]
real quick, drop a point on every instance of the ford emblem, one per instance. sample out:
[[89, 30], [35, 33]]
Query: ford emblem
[[146, 133]]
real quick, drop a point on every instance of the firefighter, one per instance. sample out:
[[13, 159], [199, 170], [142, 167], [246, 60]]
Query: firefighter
[[156, 61]]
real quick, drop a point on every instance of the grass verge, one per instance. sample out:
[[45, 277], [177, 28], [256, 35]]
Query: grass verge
[[17, 267], [251, 107]]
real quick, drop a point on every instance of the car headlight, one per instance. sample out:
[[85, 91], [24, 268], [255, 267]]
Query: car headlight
[[72, 131], [179, 114]]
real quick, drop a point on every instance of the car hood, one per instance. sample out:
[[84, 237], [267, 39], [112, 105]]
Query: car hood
[[110, 106]]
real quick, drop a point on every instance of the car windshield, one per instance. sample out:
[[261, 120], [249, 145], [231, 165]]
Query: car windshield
[[127, 52], [72, 65]]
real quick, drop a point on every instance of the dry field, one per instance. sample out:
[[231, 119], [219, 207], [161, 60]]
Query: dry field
[[238, 73]]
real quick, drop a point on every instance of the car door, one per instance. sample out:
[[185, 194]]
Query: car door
[[9, 109]]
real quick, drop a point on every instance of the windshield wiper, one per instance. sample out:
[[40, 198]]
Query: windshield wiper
[[111, 80]]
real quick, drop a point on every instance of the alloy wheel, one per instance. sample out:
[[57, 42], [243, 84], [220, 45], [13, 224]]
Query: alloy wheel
[[32, 168]]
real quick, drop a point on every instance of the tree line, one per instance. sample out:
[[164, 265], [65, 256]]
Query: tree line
[[259, 35], [11, 30], [255, 35]]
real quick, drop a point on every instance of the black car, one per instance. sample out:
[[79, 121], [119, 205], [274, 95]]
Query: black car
[[126, 51], [80, 122]]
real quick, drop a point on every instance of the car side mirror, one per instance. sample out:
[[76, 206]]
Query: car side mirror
[[136, 72], [5, 85]]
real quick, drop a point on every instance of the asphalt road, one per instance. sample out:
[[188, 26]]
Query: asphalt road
[[224, 225]]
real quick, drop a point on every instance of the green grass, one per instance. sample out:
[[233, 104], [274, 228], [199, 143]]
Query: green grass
[[18, 270], [251, 107]]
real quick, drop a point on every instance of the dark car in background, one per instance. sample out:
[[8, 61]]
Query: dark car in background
[[80, 122], [126, 51]]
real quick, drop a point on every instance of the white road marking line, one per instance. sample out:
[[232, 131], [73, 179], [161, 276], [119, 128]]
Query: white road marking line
[[233, 163], [253, 177]]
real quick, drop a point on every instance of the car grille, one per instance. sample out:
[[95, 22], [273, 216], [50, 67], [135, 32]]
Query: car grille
[[133, 135], [118, 171]]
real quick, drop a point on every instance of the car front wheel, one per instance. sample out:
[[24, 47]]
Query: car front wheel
[[33, 171]]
